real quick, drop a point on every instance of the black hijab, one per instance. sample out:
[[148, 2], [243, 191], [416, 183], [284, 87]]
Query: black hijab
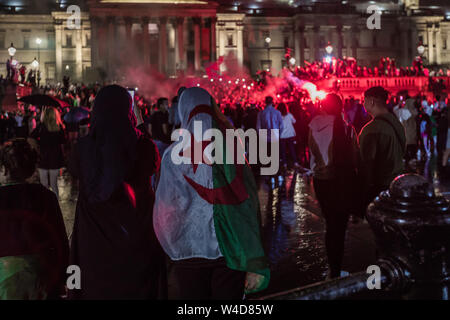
[[108, 153]]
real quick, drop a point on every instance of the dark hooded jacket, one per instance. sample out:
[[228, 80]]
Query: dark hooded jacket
[[382, 144], [113, 241]]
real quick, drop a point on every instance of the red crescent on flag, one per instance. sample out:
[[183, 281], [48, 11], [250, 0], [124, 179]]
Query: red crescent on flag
[[201, 108], [233, 193]]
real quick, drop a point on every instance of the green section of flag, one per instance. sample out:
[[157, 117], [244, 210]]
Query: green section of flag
[[237, 226], [20, 278]]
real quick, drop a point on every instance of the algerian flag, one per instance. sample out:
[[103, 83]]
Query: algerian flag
[[21, 278], [207, 210]]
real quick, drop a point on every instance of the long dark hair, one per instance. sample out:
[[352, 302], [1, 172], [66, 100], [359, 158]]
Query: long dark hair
[[282, 107], [342, 144], [109, 150]]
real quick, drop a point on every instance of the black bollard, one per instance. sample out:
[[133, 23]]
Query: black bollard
[[412, 230], [412, 233]]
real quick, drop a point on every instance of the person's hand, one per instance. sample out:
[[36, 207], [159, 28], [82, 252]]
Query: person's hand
[[253, 282]]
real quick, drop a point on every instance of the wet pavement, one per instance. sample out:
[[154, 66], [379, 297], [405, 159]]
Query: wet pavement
[[294, 235], [293, 229]]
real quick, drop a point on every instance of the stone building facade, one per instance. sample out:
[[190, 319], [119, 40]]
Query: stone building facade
[[62, 51], [190, 35]]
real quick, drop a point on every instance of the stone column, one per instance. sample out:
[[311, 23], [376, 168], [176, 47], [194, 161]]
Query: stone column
[[297, 45], [205, 38], [240, 42], [78, 55], [311, 45], [94, 42], [221, 35], [197, 62], [213, 39], [340, 41], [110, 46], [430, 44], [128, 28], [414, 42], [58, 50], [301, 45], [404, 41], [354, 34], [129, 41], [163, 45], [439, 45], [316, 55], [179, 46], [102, 37], [348, 37], [176, 49], [145, 40]]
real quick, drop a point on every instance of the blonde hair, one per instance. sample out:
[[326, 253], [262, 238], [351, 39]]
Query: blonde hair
[[52, 119]]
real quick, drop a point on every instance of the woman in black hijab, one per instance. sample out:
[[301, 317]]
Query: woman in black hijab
[[113, 240]]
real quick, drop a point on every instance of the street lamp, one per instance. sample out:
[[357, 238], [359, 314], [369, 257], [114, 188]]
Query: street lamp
[[35, 63], [267, 40], [38, 42], [12, 50], [329, 48], [35, 66], [420, 49]]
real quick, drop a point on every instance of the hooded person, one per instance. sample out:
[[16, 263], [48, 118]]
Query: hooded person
[[113, 241], [334, 153], [206, 213]]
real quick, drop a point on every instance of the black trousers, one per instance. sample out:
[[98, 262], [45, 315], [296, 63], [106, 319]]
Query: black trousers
[[336, 222], [203, 279]]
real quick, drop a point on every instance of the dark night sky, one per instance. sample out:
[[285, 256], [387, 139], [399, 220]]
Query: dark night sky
[[45, 5]]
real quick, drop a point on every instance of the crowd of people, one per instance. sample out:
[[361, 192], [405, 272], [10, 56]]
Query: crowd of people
[[162, 230], [347, 67]]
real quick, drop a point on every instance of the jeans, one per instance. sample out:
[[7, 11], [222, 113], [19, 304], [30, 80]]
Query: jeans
[[49, 178], [288, 143], [336, 223]]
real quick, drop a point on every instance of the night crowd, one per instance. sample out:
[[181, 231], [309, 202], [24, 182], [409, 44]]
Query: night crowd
[[146, 228], [347, 67]]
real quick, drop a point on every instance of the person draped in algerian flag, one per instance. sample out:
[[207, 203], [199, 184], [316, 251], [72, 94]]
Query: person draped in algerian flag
[[206, 214]]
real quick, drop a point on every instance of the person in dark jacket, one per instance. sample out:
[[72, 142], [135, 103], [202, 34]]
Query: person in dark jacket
[[334, 152], [34, 249], [51, 138], [382, 144], [113, 241]]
